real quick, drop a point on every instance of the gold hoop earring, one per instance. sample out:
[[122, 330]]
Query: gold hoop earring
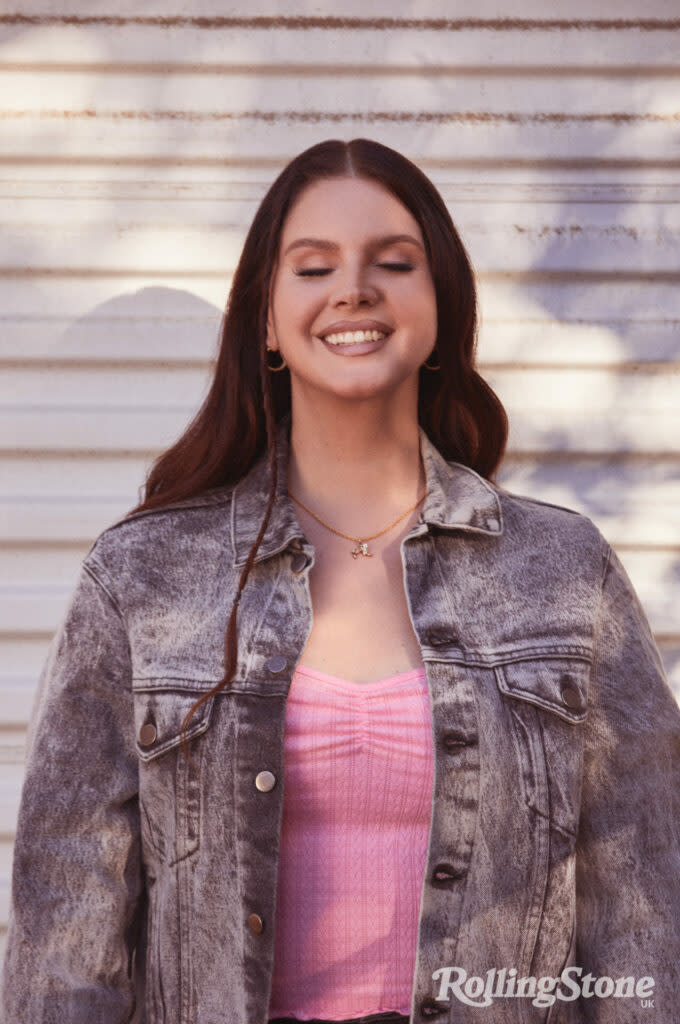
[[276, 369], [427, 367]]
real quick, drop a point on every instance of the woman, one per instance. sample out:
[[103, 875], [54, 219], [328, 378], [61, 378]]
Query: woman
[[480, 783]]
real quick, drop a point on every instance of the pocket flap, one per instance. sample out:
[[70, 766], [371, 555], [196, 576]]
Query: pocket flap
[[559, 685], [158, 719]]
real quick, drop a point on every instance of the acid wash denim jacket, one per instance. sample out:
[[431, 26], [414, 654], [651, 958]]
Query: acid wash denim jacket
[[145, 890]]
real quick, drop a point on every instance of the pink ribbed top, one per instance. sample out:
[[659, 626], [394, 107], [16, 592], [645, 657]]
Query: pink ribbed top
[[358, 776]]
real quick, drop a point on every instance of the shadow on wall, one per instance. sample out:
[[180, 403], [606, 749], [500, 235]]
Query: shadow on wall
[[133, 372], [153, 325]]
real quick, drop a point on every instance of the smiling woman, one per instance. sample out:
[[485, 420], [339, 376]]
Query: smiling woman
[[359, 269], [331, 715]]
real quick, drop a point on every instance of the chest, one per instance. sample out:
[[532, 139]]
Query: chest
[[362, 630]]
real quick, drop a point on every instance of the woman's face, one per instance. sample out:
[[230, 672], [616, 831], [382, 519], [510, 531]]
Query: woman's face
[[341, 267]]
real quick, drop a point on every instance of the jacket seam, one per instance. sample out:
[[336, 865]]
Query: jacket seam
[[187, 505], [107, 589], [89, 569], [607, 560], [512, 496], [472, 659], [598, 610], [488, 484], [199, 501], [248, 654], [443, 582], [597, 624], [466, 898]]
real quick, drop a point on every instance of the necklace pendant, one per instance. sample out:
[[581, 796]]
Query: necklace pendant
[[361, 549]]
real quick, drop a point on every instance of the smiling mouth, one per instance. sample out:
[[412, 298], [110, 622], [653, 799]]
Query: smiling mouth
[[353, 337]]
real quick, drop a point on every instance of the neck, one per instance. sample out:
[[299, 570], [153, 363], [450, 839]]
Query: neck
[[355, 472]]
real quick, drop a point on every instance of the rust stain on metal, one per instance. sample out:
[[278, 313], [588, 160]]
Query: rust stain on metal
[[348, 69], [523, 276], [366, 116], [333, 23], [574, 230]]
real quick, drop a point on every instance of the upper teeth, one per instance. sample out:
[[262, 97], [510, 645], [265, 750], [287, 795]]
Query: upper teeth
[[353, 337]]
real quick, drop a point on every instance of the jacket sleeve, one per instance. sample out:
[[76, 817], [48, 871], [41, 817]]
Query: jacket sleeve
[[628, 852], [77, 877]]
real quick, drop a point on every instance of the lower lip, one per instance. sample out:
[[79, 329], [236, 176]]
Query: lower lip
[[359, 349]]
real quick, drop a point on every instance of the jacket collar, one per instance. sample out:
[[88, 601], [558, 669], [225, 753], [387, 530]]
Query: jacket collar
[[457, 498]]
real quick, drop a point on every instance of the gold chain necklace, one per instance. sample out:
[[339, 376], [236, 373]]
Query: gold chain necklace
[[362, 542]]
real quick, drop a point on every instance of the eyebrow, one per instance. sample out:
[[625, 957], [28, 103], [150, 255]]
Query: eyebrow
[[324, 243]]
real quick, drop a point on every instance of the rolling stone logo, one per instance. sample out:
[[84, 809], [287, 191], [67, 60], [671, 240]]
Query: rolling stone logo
[[503, 983]]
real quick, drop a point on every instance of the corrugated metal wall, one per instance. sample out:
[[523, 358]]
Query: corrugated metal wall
[[135, 144]]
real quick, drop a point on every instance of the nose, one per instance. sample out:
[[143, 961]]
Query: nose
[[353, 291]]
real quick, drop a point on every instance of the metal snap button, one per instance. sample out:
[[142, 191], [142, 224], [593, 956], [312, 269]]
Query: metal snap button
[[299, 562], [571, 698], [147, 734], [265, 781], [256, 924], [277, 663]]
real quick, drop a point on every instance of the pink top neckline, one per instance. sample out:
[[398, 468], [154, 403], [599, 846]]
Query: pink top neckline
[[349, 686]]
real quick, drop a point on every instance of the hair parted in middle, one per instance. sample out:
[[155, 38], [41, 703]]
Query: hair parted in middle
[[458, 410]]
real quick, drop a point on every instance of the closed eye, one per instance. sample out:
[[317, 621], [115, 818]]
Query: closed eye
[[319, 271]]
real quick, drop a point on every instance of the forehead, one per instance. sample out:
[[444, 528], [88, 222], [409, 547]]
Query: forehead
[[346, 208]]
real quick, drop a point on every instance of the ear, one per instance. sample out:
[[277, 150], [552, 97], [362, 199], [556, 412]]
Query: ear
[[270, 340]]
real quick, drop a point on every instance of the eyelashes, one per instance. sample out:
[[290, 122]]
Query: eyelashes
[[322, 271]]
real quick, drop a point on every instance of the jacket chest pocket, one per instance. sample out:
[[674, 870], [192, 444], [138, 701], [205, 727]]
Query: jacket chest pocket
[[169, 785], [546, 702]]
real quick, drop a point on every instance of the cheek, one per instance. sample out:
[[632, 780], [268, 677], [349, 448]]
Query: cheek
[[431, 305], [419, 298], [417, 287], [294, 302]]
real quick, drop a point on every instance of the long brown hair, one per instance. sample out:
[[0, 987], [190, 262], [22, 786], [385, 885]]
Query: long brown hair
[[458, 410]]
